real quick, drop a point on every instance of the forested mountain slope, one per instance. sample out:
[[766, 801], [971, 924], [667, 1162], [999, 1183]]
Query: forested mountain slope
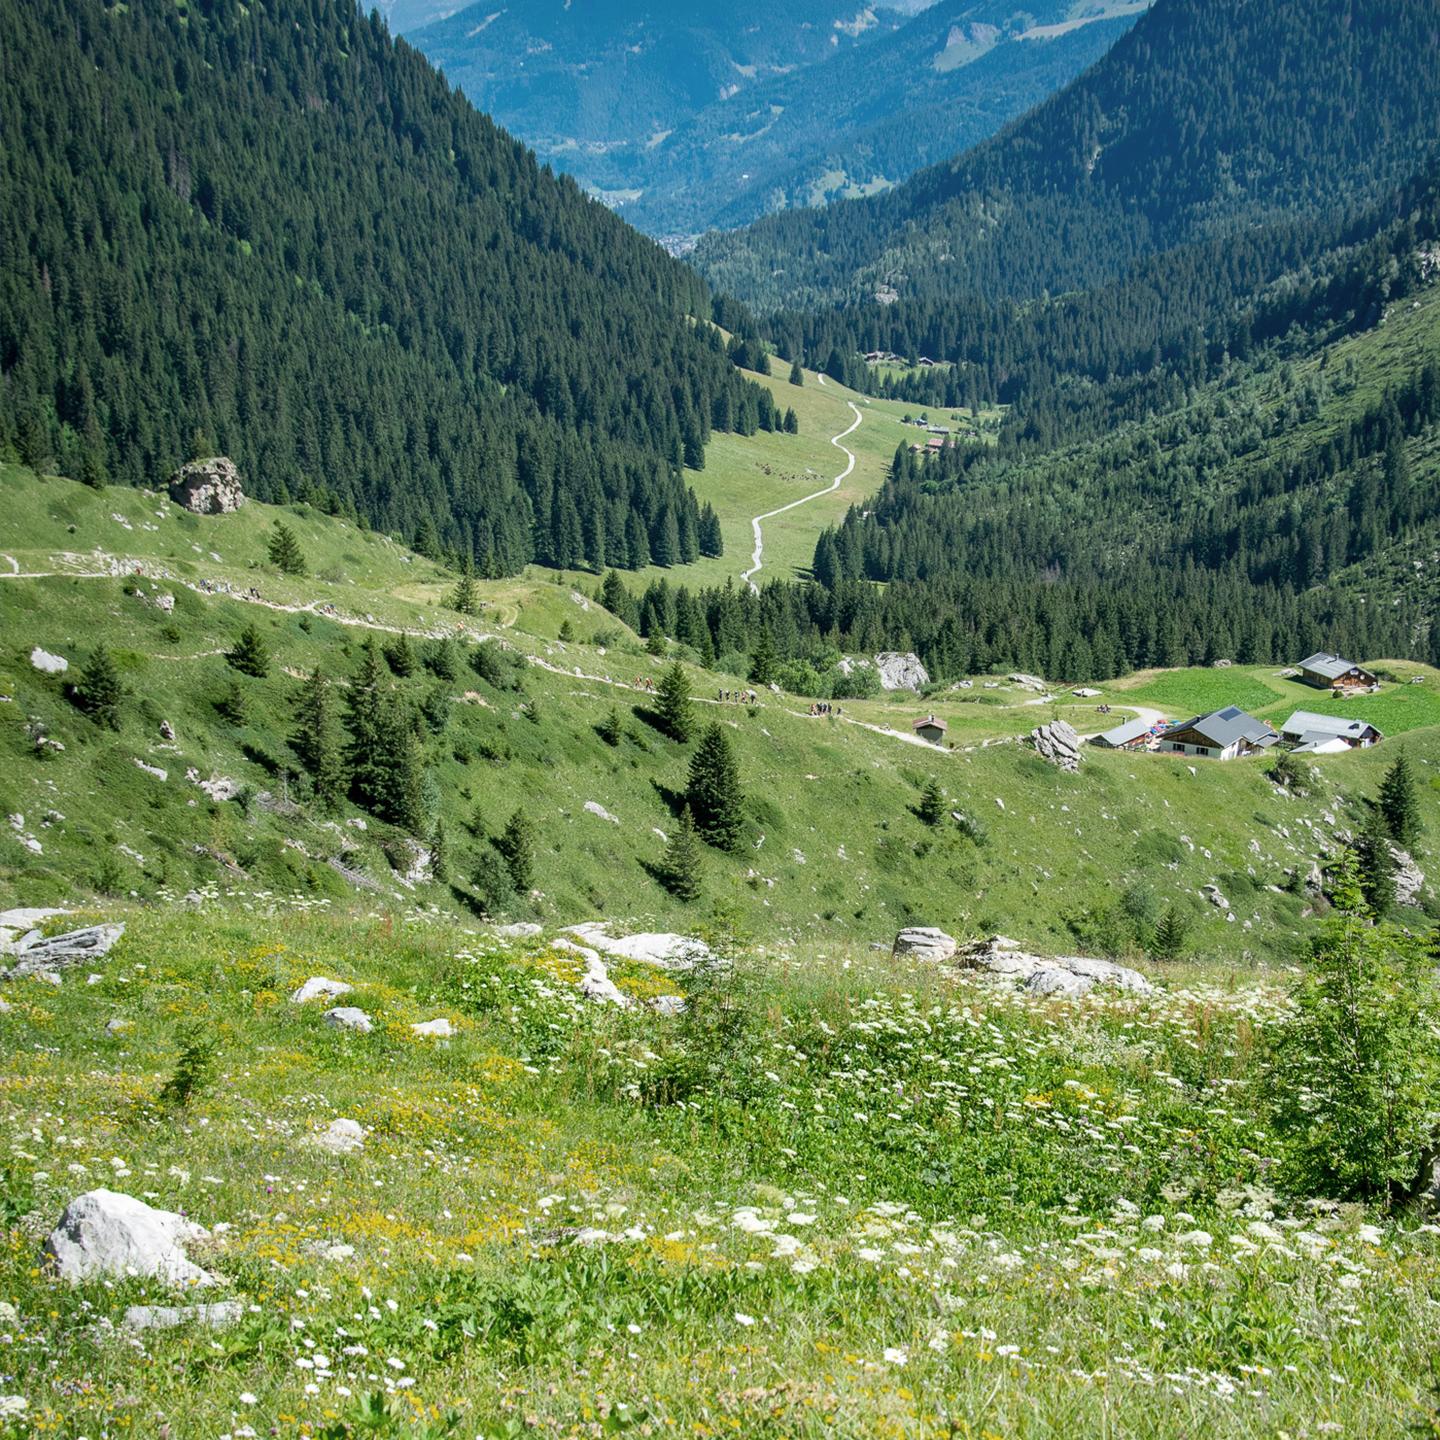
[[1207, 115], [271, 231]]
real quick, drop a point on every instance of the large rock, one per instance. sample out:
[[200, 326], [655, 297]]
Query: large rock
[[340, 1137], [1409, 877], [48, 664], [440, 1029], [595, 983], [901, 672], [36, 953], [925, 943], [208, 487], [349, 1017], [1058, 743], [106, 1233], [668, 952], [1049, 975]]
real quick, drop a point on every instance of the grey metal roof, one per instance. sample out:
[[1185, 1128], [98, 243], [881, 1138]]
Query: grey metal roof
[[1224, 727], [1332, 667], [1124, 734], [1308, 723]]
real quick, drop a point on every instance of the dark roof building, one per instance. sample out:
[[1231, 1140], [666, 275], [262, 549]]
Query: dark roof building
[[1222, 735], [1328, 672]]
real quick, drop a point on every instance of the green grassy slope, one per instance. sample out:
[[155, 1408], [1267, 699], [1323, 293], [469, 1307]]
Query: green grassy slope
[[841, 1197], [833, 848]]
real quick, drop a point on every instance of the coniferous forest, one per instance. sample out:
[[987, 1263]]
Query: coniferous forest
[[272, 232]]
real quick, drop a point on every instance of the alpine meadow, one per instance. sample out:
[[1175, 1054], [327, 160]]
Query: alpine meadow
[[719, 720]]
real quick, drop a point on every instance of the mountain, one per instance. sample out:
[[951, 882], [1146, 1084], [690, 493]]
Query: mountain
[[686, 118], [1205, 117], [273, 232], [869, 117]]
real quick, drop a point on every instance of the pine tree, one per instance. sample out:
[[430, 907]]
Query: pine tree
[[763, 659], [400, 656], [931, 809], [364, 706], [797, 375], [1170, 932], [97, 690], [516, 846], [1400, 805], [232, 706], [464, 597], [316, 741], [674, 704], [1375, 865], [397, 773], [439, 853], [680, 867], [249, 654], [609, 728], [284, 550], [713, 791], [792, 422]]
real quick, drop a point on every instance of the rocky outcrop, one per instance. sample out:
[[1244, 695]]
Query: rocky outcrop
[[104, 1232], [1028, 682], [925, 943], [1046, 975], [320, 988], [348, 1017], [901, 672], [36, 953], [208, 487], [48, 664], [1409, 877], [668, 952], [1059, 743]]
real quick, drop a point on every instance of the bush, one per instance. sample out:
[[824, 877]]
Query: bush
[[1354, 1074], [193, 1069]]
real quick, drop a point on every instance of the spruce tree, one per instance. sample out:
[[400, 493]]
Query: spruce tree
[[400, 656], [680, 868], [792, 422], [464, 597], [674, 704], [713, 791], [1399, 803], [609, 728], [439, 853], [517, 849], [1375, 865], [364, 706], [763, 659], [249, 654], [1170, 932], [797, 375], [316, 741], [232, 706], [284, 550], [931, 809], [98, 691]]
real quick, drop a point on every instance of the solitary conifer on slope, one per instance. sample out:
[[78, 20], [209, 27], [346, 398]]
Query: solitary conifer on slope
[[517, 849], [249, 655], [1399, 805], [98, 690], [1375, 865], [931, 809], [680, 869], [674, 705], [713, 791], [284, 548], [464, 598]]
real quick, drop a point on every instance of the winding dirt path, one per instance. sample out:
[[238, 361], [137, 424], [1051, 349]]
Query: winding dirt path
[[759, 552]]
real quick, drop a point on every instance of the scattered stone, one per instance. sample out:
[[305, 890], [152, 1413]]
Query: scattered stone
[[901, 671], [341, 1137], [35, 954], [116, 1026], [522, 930], [319, 988], [595, 983], [1028, 682], [104, 1232], [348, 1017], [208, 487], [171, 1317], [47, 663], [219, 788], [594, 808], [1079, 974], [1058, 743], [167, 730], [925, 943], [440, 1029], [1213, 895], [154, 770]]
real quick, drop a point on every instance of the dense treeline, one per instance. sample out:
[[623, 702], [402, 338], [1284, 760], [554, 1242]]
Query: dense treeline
[[1208, 116], [271, 231]]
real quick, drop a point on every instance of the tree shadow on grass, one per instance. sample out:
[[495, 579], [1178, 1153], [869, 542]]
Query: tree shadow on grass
[[673, 800]]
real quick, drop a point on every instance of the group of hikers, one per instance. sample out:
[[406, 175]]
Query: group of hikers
[[824, 707], [736, 697]]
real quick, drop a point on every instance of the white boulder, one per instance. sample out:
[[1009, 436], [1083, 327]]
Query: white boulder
[[104, 1233], [440, 1029], [47, 663], [667, 951], [340, 1137], [901, 672], [319, 988], [925, 942]]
